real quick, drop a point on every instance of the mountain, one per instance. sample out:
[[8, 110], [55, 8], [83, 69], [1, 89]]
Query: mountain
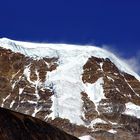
[[84, 90], [16, 126]]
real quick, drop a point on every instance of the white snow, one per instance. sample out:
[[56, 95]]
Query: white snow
[[29, 101], [20, 90], [113, 123], [101, 66], [87, 137], [132, 109], [36, 110], [67, 83], [13, 85], [12, 103], [36, 83], [96, 121], [95, 91], [112, 131], [117, 89], [4, 99], [27, 73], [32, 102], [110, 78], [131, 88], [35, 49]]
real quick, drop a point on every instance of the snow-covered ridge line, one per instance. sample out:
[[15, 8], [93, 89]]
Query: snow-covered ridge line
[[67, 50]]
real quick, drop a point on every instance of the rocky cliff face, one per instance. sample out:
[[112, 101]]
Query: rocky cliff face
[[16, 126], [82, 90]]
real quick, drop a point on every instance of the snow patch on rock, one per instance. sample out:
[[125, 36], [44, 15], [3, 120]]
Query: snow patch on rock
[[87, 137], [132, 109]]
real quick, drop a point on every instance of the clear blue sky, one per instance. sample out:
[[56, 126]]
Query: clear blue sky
[[111, 22]]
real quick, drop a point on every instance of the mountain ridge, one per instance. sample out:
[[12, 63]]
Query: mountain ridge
[[14, 125], [21, 46]]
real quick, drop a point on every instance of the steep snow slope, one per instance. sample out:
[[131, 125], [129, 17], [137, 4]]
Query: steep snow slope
[[63, 50]]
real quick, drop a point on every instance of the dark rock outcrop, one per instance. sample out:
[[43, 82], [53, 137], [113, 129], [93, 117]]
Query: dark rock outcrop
[[16, 126]]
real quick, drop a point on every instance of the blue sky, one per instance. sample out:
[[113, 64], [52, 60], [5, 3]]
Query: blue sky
[[114, 23]]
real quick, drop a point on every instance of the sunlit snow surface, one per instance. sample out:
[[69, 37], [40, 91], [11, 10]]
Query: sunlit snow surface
[[112, 131], [95, 91], [97, 120], [67, 78], [50, 50], [87, 137], [132, 110]]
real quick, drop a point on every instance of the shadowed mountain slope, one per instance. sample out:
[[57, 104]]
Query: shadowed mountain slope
[[16, 126]]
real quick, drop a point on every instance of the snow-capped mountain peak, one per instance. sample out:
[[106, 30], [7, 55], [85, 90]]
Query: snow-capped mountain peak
[[79, 88], [62, 51]]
